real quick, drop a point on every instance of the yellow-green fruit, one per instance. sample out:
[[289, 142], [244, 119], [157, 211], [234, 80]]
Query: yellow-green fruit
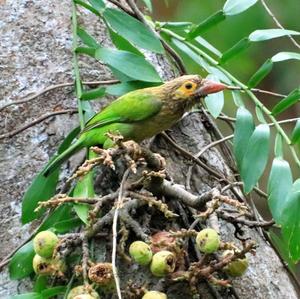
[[237, 267], [208, 240], [140, 252], [155, 295], [42, 266], [163, 262], [84, 296], [44, 243], [48, 266], [79, 291]]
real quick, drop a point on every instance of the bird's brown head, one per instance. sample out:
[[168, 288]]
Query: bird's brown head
[[191, 87]]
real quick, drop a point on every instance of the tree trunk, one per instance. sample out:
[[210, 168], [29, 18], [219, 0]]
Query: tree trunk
[[36, 53]]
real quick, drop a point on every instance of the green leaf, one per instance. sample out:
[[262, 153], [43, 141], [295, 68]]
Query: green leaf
[[88, 7], [234, 7], [282, 56], [20, 265], [236, 49], [190, 54], [214, 101], [279, 185], [67, 225], [296, 133], [206, 24], [51, 292], [291, 221], [244, 128], [204, 43], [93, 94], [148, 3], [123, 44], [237, 98], [86, 38], [40, 283], [84, 189], [63, 212], [256, 157], [119, 75], [266, 34], [97, 4], [260, 115], [261, 73], [88, 110], [27, 296], [132, 30], [278, 147], [287, 102], [42, 188], [280, 244], [132, 65], [217, 73], [125, 87]]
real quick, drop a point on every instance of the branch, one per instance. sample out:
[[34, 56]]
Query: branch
[[278, 23], [122, 7], [173, 54], [37, 121], [119, 204], [85, 260], [235, 219], [251, 95], [56, 86]]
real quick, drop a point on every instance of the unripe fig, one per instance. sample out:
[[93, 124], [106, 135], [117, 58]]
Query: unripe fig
[[155, 295], [79, 291], [140, 252], [208, 240], [102, 275], [44, 243], [237, 267], [47, 266], [163, 262], [42, 266], [84, 296]]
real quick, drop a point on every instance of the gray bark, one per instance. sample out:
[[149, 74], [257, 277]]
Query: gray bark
[[35, 53]]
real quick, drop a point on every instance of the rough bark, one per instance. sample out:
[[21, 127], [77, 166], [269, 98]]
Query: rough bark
[[35, 53]]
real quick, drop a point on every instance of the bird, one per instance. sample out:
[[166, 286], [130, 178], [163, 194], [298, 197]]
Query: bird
[[140, 114]]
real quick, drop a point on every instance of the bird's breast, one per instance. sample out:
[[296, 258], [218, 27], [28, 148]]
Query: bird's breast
[[162, 121]]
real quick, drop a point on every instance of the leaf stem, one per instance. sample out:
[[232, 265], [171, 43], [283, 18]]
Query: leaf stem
[[244, 87], [78, 84]]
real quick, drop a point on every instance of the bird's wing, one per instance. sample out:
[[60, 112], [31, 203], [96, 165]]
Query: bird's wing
[[132, 107]]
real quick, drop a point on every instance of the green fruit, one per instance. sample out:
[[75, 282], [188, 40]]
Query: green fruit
[[208, 240], [237, 267], [79, 291], [44, 243], [42, 266], [155, 295], [140, 252], [84, 296], [163, 262], [48, 266]]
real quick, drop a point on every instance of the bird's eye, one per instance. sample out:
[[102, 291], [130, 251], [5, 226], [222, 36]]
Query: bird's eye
[[188, 85]]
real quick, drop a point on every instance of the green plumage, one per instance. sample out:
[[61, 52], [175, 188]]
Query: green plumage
[[137, 115]]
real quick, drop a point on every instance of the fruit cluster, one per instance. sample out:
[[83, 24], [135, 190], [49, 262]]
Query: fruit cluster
[[163, 254]]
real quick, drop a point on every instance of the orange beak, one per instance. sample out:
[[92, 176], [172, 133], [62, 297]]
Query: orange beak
[[208, 86]]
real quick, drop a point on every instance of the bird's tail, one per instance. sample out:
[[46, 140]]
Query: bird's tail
[[59, 159]]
